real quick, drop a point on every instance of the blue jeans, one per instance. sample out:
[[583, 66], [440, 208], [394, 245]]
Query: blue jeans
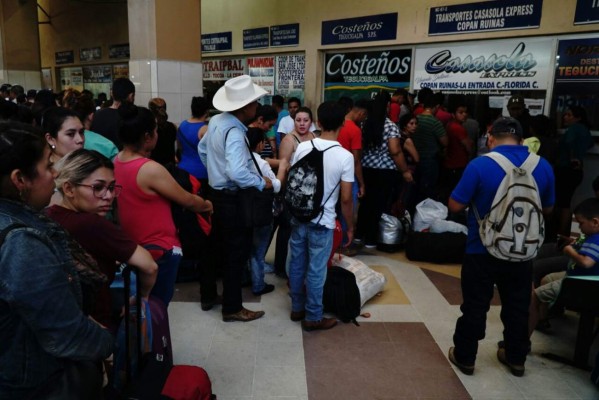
[[310, 247], [168, 266], [260, 242]]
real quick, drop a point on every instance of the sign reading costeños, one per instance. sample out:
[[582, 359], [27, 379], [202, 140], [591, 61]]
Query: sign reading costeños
[[360, 29], [485, 16]]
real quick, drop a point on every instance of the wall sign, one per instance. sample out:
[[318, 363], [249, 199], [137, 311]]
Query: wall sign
[[485, 17], [97, 74], [64, 57], [119, 51], [490, 66], [284, 35], [217, 42], [578, 61], [360, 74], [256, 38], [587, 12], [289, 75], [262, 71], [221, 70], [90, 54], [360, 29]]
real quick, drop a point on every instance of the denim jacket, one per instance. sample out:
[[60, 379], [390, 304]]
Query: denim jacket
[[41, 322]]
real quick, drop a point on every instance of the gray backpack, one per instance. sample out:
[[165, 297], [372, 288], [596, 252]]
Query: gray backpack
[[514, 228]]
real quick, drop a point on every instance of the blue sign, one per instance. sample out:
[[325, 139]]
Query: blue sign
[[485, 17], [284, 35], [64, 57], [360, 29], [578, 61], [587, 12], [216, 42], [256, 38]]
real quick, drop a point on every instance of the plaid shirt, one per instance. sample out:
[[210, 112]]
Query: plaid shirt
[[379, 157]]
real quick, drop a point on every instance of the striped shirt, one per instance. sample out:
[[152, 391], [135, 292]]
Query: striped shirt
[[379, 157], [426, 137]]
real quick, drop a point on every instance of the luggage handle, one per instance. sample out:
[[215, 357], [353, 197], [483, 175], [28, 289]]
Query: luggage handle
[[126, 273]]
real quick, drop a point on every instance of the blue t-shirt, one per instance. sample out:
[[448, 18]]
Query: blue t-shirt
[[589, 248], [481, 179], [275, 127], [190, 159]]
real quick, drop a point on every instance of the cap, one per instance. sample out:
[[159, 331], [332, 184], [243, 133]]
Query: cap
[[516, 100], [507, 125]]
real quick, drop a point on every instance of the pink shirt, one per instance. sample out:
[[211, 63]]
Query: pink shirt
[[146, 218]]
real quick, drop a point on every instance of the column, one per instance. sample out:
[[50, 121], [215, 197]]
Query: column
[[19, 44], [164, 40]]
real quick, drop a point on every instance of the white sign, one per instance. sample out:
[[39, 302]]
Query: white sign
[[290, 75], [223, 69], [490, 66]]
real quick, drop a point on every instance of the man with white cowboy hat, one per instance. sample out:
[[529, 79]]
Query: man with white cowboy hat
[[228, 171]]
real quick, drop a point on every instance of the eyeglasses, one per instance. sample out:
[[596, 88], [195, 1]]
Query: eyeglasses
[[100, 190]]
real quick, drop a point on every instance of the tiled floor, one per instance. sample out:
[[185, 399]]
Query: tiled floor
[[398, 353]]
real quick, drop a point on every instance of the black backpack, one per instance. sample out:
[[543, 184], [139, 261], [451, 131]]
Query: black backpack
[[341, 295], [305, 186]]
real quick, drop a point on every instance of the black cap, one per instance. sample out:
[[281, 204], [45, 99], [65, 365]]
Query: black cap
[[516, 101], [509, 125]]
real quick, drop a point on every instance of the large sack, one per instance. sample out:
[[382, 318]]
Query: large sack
[[368, 280], [428, 211]]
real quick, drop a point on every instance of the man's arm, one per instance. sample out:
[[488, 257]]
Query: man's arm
[[237, 155], [455, 207], [347, 209], [358, 171]]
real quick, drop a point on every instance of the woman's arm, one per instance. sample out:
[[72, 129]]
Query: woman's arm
[[399, 159], [287, 148], [411, 149], [202, 131], [148, 269], [153, 177]]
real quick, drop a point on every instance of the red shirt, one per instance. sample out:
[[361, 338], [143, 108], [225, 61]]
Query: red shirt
[[443, 116], [457, 155], [418, 109], [394, 111], [350, 136]]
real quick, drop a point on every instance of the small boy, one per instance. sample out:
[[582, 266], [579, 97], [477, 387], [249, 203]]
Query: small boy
[[261, 234], [584, 257], [311, 243]]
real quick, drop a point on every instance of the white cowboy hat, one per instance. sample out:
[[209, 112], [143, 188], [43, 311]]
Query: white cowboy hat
[[237, 93]]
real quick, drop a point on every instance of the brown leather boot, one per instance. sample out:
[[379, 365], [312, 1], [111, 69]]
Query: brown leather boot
[[243, 315], [325, 323]]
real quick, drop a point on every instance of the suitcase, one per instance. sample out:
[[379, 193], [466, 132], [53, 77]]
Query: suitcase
[[440, 248], [154, 375]]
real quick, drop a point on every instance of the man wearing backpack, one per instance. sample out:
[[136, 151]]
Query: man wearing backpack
[[321, 171], [492, 259]]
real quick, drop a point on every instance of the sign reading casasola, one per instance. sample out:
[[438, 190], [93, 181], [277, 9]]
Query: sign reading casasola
[[360, 29]]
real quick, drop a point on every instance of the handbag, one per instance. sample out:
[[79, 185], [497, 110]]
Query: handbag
[[256, 205]]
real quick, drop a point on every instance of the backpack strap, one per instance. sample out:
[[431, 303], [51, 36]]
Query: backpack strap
[[332, 191]]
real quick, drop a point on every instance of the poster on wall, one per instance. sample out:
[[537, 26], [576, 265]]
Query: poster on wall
[[118, 51], [289, 75], [363, 74], [262, 71], [90, 54], [97, 74], [71, 78], [120, 71], [47, 78], [491, 67], [486, 16]]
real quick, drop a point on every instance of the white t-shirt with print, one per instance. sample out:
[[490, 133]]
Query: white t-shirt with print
[[265, 170], [287, 125], [338, 165]]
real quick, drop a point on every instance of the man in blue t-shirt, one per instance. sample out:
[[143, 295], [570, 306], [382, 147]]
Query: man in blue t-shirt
[[480, 270]]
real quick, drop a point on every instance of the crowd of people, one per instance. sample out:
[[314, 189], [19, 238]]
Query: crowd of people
[[184, 191]]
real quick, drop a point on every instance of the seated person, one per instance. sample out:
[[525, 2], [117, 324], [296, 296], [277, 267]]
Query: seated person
[[583, 253], [86, 181]]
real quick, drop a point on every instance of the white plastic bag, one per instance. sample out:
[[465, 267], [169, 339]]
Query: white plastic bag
[[390, 230], [368, 280], [428, 211], [440, 226]]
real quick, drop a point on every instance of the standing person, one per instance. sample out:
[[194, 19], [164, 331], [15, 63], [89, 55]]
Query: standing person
[[144, 206], [516, 107], [188, 137], [278, 102], [569, 167], [164, 152], [64, 131], [311, 242], [45, 335], [431, 141], [287, 124], [381, 158], [107, 121], [459, 148], [480, 270], [225, 153], [407, 127], [266, 117], [398, 107]]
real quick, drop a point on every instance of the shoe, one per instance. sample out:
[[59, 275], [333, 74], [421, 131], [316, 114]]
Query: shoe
[[325, 323], [370, 245], [466, 369], [267, 289], [358, 242], [297, 316], [207, 305], [516, 370], [501, 345], [243, 315]]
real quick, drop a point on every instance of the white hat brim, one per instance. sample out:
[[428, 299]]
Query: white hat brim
[[221, 102]]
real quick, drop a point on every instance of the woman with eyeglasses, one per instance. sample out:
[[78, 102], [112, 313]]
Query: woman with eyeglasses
[[86, 181], [50, 348], [145, 203]]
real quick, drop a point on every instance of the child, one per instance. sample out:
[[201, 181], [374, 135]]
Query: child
[[261, 235], [583, 253]]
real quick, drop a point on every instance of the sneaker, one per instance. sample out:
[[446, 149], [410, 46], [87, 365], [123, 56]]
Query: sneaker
[[370, 245], [243, 315], [325, 323], [466, 369], [358, 242], [267, 289], [515, 369], [297, 316], [207, 305]]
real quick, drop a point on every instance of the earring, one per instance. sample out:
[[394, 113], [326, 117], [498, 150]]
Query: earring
[[53, 146]]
